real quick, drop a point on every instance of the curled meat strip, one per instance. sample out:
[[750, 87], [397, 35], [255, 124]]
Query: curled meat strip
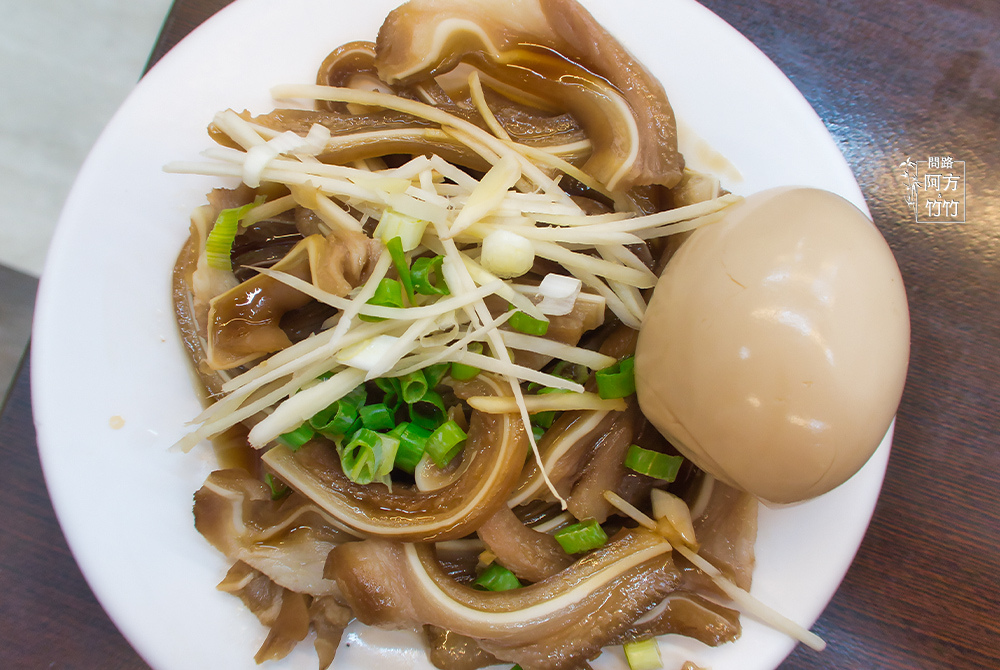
[[726, 532], [726, 529], [564, 449], [620, 105], [557, 623], [451, 651], [492, 460], [689, 614], [244, 323], [288, 615], [527, 553], [284, 612], [288, 540]]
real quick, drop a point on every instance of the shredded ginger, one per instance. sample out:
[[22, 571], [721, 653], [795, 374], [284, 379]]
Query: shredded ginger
[[487, 230]]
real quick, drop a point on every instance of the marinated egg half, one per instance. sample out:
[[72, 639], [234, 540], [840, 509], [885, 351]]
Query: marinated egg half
[[774, 348]]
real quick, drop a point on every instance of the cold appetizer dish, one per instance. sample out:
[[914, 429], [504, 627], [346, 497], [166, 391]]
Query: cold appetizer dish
[[443, 392]]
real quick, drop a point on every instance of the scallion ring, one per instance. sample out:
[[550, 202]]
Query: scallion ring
[[497, 578], [580, 537], [618, 380], [412, 442], [368, 456], [445, 443], [294, 439], [653, 463], [427, 276]]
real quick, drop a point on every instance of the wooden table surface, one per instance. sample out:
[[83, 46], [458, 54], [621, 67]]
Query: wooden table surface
[[892, 80]]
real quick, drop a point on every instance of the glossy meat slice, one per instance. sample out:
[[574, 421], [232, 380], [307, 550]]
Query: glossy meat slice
[[244, 323], [527, 553], [492, 460], [524, 44], [288, 540], [555, 624]]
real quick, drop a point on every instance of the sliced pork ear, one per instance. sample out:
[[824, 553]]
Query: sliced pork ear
[[527, 553], [688, 614], [492, 459], [614, 98], [565, 448], [605, 467], [329, 619], [288, 540], [450, 651], [185, 309], [606, 471], [284, 612], [555, 624], [727, 533], [348, 66], [244, 323]]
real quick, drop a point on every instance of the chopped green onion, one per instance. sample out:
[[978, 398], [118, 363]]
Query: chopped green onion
[[580, 537], [413, 386], [528, 325], [341, 416], [427, 276], [435, 373], [429, 412], [393, 391], [546, 390], [368, 456], [296, 438], [278, 490], [219, 244], [395, 247], [462, 372], [377, 417], [389, 293], [412, 440], [618, 380], [445, 443], [643, 655], [653, 463], [543, 419], [497, 578], [537, 431]]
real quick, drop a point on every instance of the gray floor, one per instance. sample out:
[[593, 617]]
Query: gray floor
[[17, 297], [65, 67]]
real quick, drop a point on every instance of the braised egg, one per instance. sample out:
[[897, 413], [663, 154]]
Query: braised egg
[[774, 349]]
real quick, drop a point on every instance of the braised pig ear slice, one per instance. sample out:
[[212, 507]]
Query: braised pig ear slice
[[689, 614], [288, 540], [347, 66], [491, 462], [451, 651], [528, 553], [288, 615], [555, 624], [244, 323], [623, 108]]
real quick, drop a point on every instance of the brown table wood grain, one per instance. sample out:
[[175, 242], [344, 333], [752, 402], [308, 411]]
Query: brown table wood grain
[[891, 80]]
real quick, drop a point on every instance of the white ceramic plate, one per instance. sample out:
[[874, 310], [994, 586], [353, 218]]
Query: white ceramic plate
[[106, 349]]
